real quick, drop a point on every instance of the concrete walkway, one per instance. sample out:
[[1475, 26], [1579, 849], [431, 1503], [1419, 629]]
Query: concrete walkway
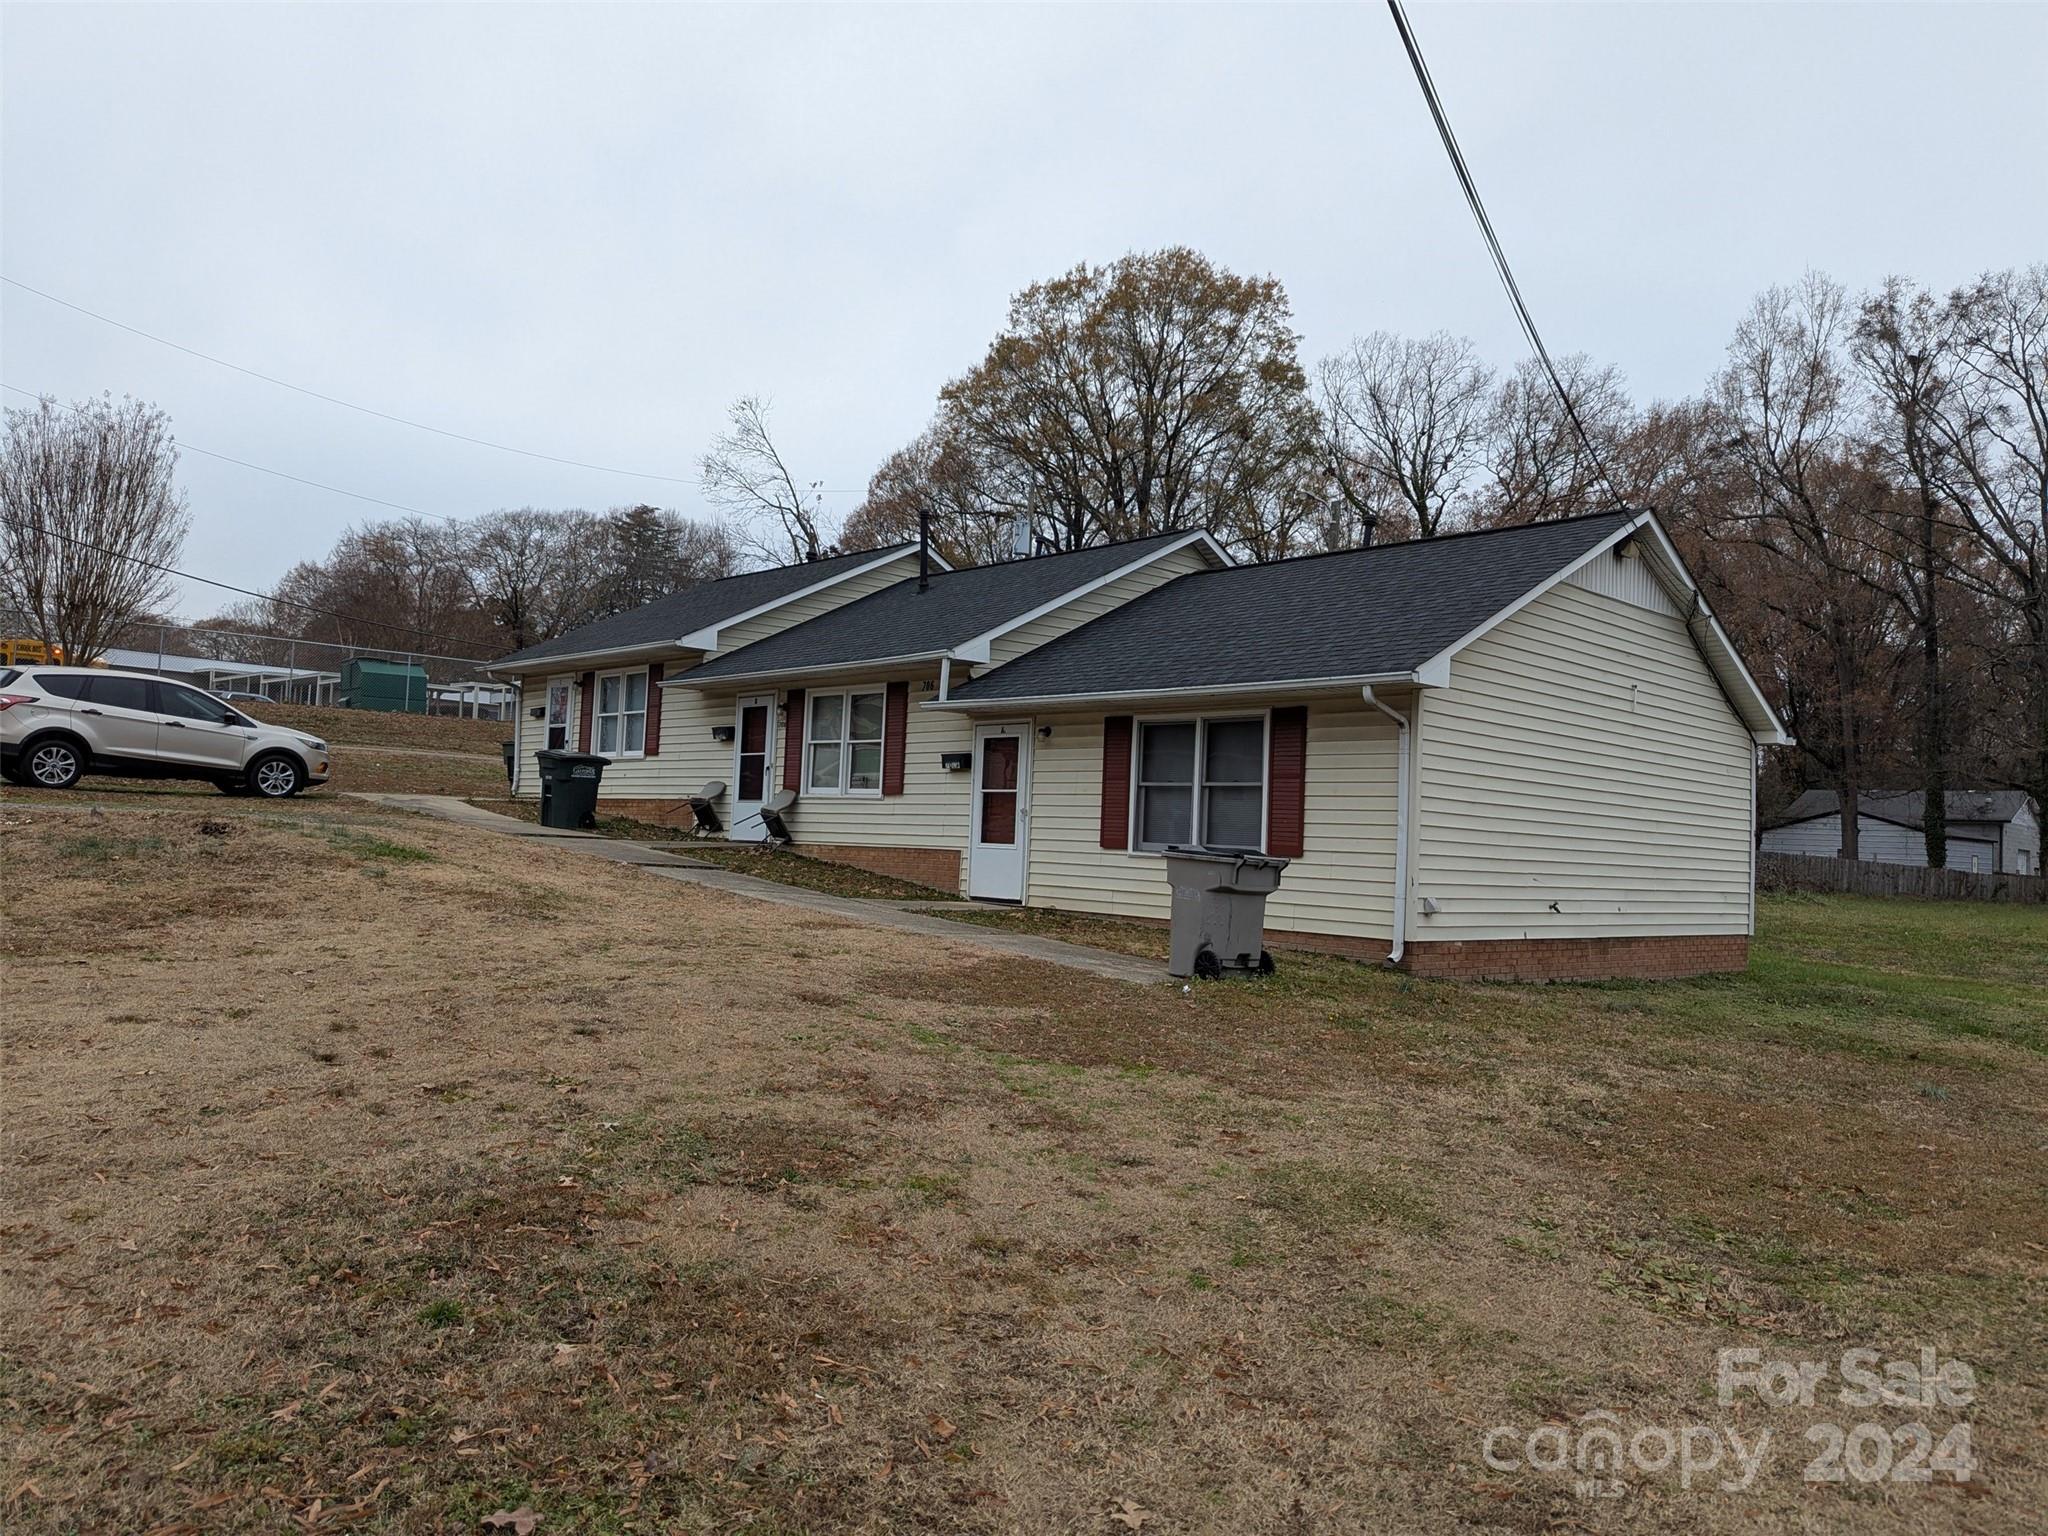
[[909, 917]]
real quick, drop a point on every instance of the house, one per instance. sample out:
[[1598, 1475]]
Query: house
[[1527, 752], [599, 686], [1990, 831]]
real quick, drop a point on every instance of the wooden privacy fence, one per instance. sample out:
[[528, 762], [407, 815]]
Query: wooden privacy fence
[[1810, 872]]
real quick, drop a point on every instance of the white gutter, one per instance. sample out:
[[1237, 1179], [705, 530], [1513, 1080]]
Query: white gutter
[[1401, 828], [572, 661], [1430, 674], [795, 675]]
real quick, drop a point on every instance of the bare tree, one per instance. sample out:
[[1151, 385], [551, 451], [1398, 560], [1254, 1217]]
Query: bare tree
[[745, 475], [536, 572], [1993, 429], [937, 481], [89, 513], [1786, 403], [1538, 464], [1405, 423], [1899, 354]]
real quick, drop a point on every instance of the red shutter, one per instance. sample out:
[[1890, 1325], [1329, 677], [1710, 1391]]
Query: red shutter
[[587, 686], [1116, 782], [895, 724], [653, 747], [1286, 781], [793, 740]]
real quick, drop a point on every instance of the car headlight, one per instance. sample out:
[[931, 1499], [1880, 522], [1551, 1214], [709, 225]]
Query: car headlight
[[316, 745]]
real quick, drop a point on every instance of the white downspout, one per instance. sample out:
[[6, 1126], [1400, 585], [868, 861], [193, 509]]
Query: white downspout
[[1400, 935], [945, 678]]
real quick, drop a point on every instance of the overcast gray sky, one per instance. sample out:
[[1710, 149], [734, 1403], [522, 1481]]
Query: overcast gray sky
[[584, 230]]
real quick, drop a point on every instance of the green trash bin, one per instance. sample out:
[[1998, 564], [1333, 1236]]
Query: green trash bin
[[568, 789]]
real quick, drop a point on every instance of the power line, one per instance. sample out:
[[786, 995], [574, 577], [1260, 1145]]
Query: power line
[[396, 506], [1500, 256], [221, 362], [286, 602]]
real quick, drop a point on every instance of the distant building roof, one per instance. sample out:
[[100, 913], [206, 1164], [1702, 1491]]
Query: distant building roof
[[171, 662], [1908, 807]]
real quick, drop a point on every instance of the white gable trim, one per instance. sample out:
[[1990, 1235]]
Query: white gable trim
[[976, 649], [1762, 721], [706, 639]]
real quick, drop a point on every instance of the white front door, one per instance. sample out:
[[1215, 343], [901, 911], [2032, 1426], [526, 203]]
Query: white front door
[[1002, 812], [558, 714], [753, 779]]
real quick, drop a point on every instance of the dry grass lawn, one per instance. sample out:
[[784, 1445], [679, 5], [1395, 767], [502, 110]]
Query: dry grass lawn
[[364, 1174]]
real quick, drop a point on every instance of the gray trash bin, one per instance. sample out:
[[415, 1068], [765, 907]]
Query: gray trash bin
[[568, 789], [1219, 910]]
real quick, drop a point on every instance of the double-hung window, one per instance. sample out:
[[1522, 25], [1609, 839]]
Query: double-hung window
[[846, 743], [622, 713], [1202, 781]]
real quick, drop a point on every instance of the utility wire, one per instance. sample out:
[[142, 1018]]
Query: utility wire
[[396, 506], [221, 362], [1500, 256], [285, 602]]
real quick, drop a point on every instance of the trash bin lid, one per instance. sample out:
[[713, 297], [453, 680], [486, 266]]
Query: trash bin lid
[[1227, 856], [572, 759]]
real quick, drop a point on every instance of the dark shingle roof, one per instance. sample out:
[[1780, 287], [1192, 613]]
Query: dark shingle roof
[[902, 621], [667, 619], [1908, 806], [1359, 613]]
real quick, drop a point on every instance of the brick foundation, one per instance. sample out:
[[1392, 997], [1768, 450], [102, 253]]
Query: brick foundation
[[1629, 959], [1633, 959], [938, 868], [935, 867]]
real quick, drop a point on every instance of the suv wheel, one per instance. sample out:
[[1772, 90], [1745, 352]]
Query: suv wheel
[[54, 764], [275, 776]]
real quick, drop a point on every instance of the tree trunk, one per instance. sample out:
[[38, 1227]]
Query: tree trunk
[[1849, 782], [1933, 713]]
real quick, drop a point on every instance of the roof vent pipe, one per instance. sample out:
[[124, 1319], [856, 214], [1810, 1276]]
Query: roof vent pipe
[[1400, 928], [924, 549]]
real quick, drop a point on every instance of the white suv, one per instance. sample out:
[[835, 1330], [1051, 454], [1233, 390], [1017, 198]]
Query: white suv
[[57, 723]]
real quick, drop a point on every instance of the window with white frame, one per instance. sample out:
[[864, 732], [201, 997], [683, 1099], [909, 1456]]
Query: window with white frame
[[1202, 781], [622, 713], [845, 743]]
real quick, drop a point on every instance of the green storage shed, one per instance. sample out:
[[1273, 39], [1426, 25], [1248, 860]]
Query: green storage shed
[[394, 686]]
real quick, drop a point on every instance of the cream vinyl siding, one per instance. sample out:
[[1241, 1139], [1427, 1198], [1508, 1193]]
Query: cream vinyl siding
[[932, 810], [803, 609], [1628, 579], [1583, 756], [1093, 605], [1342, 883]]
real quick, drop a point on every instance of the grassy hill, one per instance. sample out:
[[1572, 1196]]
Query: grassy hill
[[370, 728]]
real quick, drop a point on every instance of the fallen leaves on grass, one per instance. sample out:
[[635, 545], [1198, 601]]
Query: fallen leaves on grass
[[519, 1521]]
